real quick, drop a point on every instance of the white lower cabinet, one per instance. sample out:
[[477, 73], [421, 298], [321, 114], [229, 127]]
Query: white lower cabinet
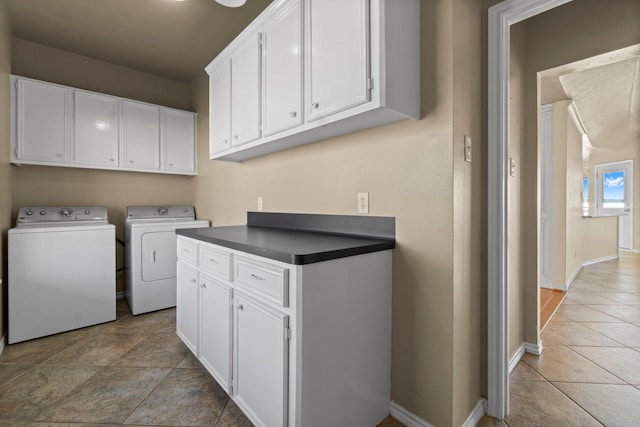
[[287, 341]]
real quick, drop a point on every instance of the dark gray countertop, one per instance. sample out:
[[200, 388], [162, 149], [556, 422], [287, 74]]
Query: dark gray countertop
[[302, 238]]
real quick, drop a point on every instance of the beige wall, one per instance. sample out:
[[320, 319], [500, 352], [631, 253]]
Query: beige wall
[[5, 168], [413, 171], [574, 222], [574, 31], [52, 186], [600, 238]]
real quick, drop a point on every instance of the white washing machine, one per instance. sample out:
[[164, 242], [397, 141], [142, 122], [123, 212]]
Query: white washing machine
[[150, 241], [62, 271]]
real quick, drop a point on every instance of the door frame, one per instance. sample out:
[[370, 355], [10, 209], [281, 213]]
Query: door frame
[[500, 18], [598, 193]]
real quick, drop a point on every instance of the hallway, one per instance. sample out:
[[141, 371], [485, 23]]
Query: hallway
[[589, 371]]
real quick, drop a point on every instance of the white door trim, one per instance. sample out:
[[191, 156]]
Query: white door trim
[[501, 17]]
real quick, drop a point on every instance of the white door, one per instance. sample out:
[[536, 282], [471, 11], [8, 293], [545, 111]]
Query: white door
[[614, 196], [43, 122], [96, 129], [260, 363], [338, 62], [245, 93], [187, 306], [282, 71], [178, 141], [215, 330], [220, 108], [158, 255], [140, 135], [546, 197]]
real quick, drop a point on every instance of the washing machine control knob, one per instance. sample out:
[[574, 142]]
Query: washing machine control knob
[[163, 210], [29, 212], [43, 212], [65, 213], [87, 211]]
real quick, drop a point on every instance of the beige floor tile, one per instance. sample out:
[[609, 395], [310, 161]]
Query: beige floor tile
[[622, 312], [157, 350], [586, 286], [578, 297], [30, 394], [38, 350], [625, 333], [557, 317], [157, 322], [624, 297], [581, 313], [232, 416], [548, 341], [190, 361], [8, 372], [563, 364], [535, 403], [622, 362], [612, 405], [187, 397], [524, 372], [487, 421], [574, 333], [100, 350], [107, 397]]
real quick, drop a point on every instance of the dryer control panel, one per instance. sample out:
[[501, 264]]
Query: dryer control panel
[[168, 212]]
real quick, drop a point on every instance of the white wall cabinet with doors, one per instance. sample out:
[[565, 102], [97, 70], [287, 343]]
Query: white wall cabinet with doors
[[362, 69], [285, 340], [55, 125]]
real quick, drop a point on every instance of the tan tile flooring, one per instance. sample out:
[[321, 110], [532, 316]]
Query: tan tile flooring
[[589, 371], [134, 371]]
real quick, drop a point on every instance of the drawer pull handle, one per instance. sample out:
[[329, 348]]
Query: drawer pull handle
[[256, 277], [193, 280], [213, 260], [186, 250], [240, 307], [204, 285]]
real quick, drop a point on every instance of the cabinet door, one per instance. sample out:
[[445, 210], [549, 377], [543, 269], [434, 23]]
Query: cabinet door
[[187, 306], [215, 330], [282, 71], [260, 363], [96, 129], [178, 141], [338, 56], [220, 108], [42, 122], [140, 135], [245, 92]]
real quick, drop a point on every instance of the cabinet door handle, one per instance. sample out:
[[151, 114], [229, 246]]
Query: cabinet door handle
[[213, 261], [59, 155], [225, 141], [130, 161], [256, 277], [153, 257], [240, 307], [171, 164], [315, 105], [193, 280], [235, 136], [204, 285], [293, 114]]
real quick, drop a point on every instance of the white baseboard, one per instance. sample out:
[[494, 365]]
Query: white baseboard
[[597, 260], [405, 417], [411, 420], [526, 347], [572, 278], [476, 415]]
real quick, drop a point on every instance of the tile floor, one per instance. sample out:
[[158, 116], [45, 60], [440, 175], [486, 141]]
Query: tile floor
[[134, 371], [589, 371]]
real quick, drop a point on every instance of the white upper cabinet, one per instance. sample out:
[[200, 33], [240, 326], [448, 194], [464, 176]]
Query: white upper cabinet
[[140, 135], [178, 135], [245, 92], [337, 55], [96, 129], [361, 69], [282, 70], [220, 108], [43, 122], [56, 125]]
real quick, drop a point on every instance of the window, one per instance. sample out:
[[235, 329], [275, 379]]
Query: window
[[585, 195]]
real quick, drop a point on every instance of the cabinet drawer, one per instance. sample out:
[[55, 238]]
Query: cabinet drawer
[[266, 280], [187, 252], [215, 262]]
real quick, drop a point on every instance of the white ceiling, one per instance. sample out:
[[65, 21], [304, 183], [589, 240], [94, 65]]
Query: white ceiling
[[169, 38], [606, 92]]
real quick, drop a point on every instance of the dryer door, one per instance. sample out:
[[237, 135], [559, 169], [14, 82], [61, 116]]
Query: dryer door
[[158, 255]]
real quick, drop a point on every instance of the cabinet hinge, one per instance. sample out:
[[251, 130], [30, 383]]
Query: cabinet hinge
[[260, 39], [369, 84], [15, 84], [287, 334]]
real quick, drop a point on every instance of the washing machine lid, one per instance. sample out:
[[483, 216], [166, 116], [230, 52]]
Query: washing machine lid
[[161, 212], [61, 216]]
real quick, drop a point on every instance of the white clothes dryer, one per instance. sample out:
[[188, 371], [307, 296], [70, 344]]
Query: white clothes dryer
[[62, 271], [150, 245]]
